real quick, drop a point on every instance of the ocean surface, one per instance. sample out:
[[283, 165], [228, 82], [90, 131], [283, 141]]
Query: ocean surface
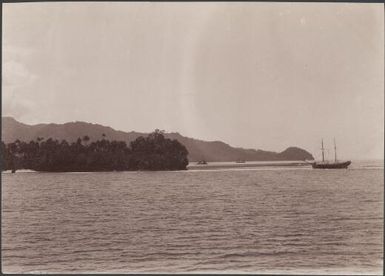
[[234, 220]]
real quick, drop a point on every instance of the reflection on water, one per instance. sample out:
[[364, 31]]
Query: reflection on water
[[234, 220]]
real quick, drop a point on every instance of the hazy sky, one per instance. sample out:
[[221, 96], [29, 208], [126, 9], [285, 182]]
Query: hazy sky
[[255, 75]]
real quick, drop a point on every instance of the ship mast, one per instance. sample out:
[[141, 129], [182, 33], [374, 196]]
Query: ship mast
[[322, 148], [335, 151]]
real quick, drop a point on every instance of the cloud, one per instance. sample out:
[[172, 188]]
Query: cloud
[[303, 21], [17, 81], [16, 74], [15, 71], [12, 51]]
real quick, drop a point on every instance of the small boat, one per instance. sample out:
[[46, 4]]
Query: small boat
[[202, 162], [330, 165], [240, 161]]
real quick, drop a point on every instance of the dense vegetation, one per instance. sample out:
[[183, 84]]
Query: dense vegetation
[[153, 152]]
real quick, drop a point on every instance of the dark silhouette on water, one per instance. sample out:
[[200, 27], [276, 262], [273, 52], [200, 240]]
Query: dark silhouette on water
[[328, 165], [154, 152]]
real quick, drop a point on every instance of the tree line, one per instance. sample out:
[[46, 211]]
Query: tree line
[[153, 152]]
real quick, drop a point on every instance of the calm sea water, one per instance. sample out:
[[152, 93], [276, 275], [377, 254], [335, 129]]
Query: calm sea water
[[262, 220]]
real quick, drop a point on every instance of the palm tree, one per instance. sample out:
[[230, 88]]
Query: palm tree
[[86, 139]]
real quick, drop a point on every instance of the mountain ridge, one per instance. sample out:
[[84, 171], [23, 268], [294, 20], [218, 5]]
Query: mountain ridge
[[198, 149]]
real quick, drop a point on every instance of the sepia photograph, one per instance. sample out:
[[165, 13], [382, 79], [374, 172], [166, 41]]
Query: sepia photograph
[[192, 138]]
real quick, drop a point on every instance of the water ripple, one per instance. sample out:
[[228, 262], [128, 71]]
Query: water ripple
[[224, 221]]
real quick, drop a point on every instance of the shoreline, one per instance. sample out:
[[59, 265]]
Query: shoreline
[[193, 166], [250, 164]]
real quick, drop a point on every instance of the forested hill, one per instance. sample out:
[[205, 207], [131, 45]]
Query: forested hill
[[198, 149]]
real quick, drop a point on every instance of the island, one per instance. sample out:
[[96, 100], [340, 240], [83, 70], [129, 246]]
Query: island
[[210, 151], [153, 152]]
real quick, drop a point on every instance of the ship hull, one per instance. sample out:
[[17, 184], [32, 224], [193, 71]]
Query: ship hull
[[338, 165]]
